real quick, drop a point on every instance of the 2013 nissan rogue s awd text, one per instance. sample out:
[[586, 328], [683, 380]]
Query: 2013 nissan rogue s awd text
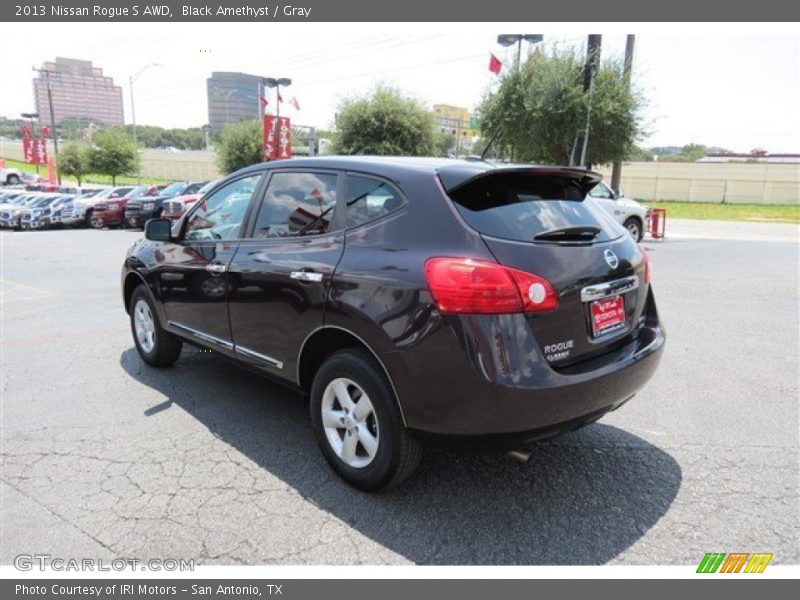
[[412, 300]]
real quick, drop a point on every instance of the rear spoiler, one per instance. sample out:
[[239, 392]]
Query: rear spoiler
[[455, 177]]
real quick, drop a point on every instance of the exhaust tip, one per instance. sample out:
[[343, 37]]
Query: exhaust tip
[[520, 454]]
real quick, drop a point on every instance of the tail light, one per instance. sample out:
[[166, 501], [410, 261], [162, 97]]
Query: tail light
[[646, 260], [468, 285]]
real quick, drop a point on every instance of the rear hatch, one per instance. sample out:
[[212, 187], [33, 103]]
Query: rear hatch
[[539, 220]]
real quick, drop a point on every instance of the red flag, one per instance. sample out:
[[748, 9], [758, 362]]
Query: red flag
[[264, 101], [45, 132], [294, 103], [495, 66]]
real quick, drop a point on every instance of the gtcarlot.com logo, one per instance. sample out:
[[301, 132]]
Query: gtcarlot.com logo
[[734, 562]]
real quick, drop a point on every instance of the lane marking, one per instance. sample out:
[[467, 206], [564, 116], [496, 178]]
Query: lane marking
[[24, 286]]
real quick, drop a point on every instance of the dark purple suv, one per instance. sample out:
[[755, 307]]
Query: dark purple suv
[[414, 301]]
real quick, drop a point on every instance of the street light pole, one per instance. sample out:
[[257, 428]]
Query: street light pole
[[131, 79], [509, 39]]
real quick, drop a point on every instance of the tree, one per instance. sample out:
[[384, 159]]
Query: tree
[[385, 122], [445, 143], [240, 146], [540, 109], [73, 161], [639, 154], [689, 153], [113, 153]]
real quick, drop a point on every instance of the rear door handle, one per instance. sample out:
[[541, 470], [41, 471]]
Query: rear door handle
[[216, 268], [306, 276]]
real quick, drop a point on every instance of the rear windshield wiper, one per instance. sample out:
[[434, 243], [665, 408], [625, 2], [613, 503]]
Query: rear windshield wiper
[[578, 232]]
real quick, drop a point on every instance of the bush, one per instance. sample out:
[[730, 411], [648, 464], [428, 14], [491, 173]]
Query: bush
[[385, 123], [240, 146]]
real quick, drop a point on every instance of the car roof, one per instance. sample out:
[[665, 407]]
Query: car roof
[[452, 171]]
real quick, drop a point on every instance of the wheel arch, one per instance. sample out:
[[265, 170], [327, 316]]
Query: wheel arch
[[134, 279], [322, 343]]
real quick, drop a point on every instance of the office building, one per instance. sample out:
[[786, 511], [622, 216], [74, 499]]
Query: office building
[[80, 92]]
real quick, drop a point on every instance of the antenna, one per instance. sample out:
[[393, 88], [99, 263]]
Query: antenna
[[489, 145]]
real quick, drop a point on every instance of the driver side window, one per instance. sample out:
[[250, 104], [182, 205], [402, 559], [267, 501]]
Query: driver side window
[[220, 215]]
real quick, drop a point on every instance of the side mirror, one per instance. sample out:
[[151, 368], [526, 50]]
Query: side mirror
[[618, 194], [158, 230]]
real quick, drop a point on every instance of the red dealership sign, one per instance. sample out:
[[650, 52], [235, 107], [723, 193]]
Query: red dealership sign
[[40, 151], [35, 151], [277, 141]]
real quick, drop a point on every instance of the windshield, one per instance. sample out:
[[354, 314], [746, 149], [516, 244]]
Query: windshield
[[102, 194], [173, 189], [41, 202], [120, 192], [139, 191], [521, 206]]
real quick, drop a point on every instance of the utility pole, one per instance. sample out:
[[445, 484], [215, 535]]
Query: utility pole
[[581, 143], [616, 170]]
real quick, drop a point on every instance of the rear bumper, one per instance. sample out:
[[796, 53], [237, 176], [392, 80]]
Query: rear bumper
[[475, 380]]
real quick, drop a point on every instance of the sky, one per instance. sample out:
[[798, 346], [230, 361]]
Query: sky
[[727, 86]]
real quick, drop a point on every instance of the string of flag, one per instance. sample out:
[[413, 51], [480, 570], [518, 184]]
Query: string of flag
[[292, 102]]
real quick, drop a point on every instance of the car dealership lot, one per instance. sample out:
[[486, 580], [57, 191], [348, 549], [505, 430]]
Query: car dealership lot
[[106, 457]]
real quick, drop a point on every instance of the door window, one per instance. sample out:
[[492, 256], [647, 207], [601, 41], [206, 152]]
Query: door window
[[369, 199], [296, 204], [220, 215], [601, 190]]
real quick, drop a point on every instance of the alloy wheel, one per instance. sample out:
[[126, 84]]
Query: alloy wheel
[[350, 422], [144, 325]]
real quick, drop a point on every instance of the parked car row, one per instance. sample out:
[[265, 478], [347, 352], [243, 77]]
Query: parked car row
[[21, 209], [120, 206]]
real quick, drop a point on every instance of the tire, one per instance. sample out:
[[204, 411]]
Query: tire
[[634, 227], [12, 180], [87, 218], [156, 346], [395, 453]]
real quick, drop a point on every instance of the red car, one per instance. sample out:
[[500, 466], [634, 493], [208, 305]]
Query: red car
[[174, 208], [111, 212]]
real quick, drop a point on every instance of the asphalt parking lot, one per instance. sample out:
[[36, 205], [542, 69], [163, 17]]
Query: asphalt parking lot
[[105, 457]]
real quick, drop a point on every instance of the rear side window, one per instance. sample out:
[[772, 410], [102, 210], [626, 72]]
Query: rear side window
[[520, 206], [369, 199], [297, 203]]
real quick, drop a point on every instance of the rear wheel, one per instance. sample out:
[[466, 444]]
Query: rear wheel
[[87, 219], [12, 180], [358, 423], [155, 345], [634, 227]]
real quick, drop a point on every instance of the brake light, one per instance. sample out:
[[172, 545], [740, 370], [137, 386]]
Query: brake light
[[469, 285], [646, 260]]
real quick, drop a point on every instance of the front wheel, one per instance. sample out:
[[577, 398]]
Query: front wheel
[[358, 424], [634, 227], [155, 345]]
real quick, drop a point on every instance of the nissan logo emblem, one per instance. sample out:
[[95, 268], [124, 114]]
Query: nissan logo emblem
[[611, 259]]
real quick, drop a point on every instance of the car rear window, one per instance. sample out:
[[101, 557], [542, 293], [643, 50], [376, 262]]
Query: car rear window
[[520, 206]]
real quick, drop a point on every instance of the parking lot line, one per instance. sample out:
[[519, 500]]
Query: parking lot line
[[17, 286]]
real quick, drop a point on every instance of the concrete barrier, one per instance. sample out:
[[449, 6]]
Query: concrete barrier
[[757, 183]]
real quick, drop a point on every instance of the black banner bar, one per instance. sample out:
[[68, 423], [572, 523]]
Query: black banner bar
[[408, 10]]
